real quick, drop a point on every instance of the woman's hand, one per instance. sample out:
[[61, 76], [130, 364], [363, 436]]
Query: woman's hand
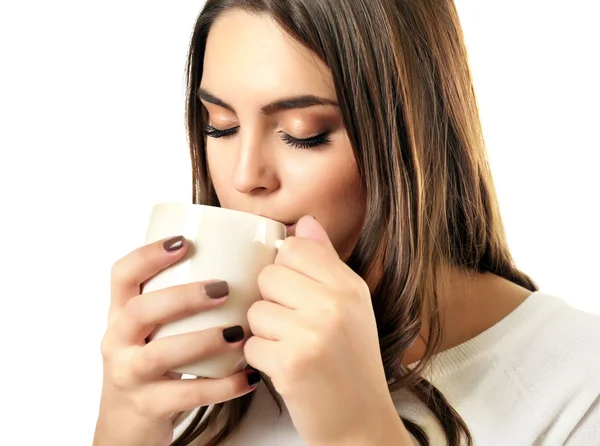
[[138, 398], [315, 336]]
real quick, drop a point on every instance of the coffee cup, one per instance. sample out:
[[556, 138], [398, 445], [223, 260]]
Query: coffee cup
[[226, 245]]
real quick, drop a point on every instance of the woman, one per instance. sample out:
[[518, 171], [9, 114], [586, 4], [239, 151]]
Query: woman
[[395, 315]]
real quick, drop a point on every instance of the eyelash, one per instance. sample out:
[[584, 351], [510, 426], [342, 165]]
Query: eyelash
[[308, 143]]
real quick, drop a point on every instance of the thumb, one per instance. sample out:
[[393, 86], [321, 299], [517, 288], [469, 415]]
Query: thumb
[[308, 227]]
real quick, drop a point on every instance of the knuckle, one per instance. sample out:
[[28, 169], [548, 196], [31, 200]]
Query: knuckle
[[251, 316], [293, 243], [184, 298], [133, 311], [313, 343], [262, 279], [232, 387], [197, 396], [266, 274], [142, 404], [290, 368], [178, 296], [150, 360], [114, 365], [268, 278], [106, 348], [331, 311], [362, 287], [121, 379], [249, 349], [120, 375], [290, 363], [118, 272], [283, 384], [151, 258], [254, 311], [289, 246], [311, 352]]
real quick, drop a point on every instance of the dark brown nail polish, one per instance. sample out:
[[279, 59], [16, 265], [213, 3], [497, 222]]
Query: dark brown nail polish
[[253, 378], [233, 334], [173, 244], [216, 290]]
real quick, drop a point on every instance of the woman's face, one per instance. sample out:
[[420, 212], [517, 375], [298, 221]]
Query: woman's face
[[276, 144]]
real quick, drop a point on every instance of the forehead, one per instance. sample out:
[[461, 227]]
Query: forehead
[[248, 54]]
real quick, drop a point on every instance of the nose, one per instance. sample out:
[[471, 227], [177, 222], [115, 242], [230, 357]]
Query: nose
[[255, 170]]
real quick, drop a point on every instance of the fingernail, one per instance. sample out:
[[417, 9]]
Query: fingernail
[[216, 290], [253, 378], [233, 334], [173, 244]]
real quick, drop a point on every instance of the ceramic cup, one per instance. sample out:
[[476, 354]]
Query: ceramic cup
[[224, 245]]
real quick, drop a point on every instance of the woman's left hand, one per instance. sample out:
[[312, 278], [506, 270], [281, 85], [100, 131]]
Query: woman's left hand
[[315, 336]]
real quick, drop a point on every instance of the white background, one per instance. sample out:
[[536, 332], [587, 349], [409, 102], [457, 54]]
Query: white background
[[92, 134]]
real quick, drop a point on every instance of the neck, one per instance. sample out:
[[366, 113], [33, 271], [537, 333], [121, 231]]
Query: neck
[[469, 303]]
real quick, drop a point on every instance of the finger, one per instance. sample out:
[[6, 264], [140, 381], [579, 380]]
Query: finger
[[263, 354], [170, 396], [270, 320], [161, 355], [294, 290], [309, 228], [144, 312], [310, 258], [129, 272]]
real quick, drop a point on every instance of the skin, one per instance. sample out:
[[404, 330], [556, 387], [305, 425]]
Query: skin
[[254, 170], [314, 334]]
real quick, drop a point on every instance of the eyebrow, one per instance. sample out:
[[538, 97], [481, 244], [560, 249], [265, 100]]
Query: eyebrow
[[290, 103]]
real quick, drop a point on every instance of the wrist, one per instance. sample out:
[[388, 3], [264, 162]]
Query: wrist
[[383, 428], [113, 432]]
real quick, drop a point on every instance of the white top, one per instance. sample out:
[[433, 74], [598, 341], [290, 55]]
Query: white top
[[531, 379]]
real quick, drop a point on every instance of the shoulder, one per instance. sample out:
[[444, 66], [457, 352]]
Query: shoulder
[[538, 369], [554, 354], [541, 340], [553, 336]]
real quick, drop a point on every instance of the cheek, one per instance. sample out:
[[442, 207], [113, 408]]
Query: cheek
[[338, 202], [347, 221], [219, 168]]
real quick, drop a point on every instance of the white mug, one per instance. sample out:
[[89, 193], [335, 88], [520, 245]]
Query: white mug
[[225, 245]]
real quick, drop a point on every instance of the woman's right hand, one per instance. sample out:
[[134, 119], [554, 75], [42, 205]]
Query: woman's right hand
[[138, 398]]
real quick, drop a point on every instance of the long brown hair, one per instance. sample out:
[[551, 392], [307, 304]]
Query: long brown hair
[[403, 82]]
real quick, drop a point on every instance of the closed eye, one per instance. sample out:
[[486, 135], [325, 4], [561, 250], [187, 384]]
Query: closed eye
[[212, 132], [296, 143], [307, 143]]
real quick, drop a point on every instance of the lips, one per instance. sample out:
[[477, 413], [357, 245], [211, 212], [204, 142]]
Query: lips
[[290, 229]]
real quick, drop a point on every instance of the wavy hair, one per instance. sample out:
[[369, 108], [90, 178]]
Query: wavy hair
[[405, 91]]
